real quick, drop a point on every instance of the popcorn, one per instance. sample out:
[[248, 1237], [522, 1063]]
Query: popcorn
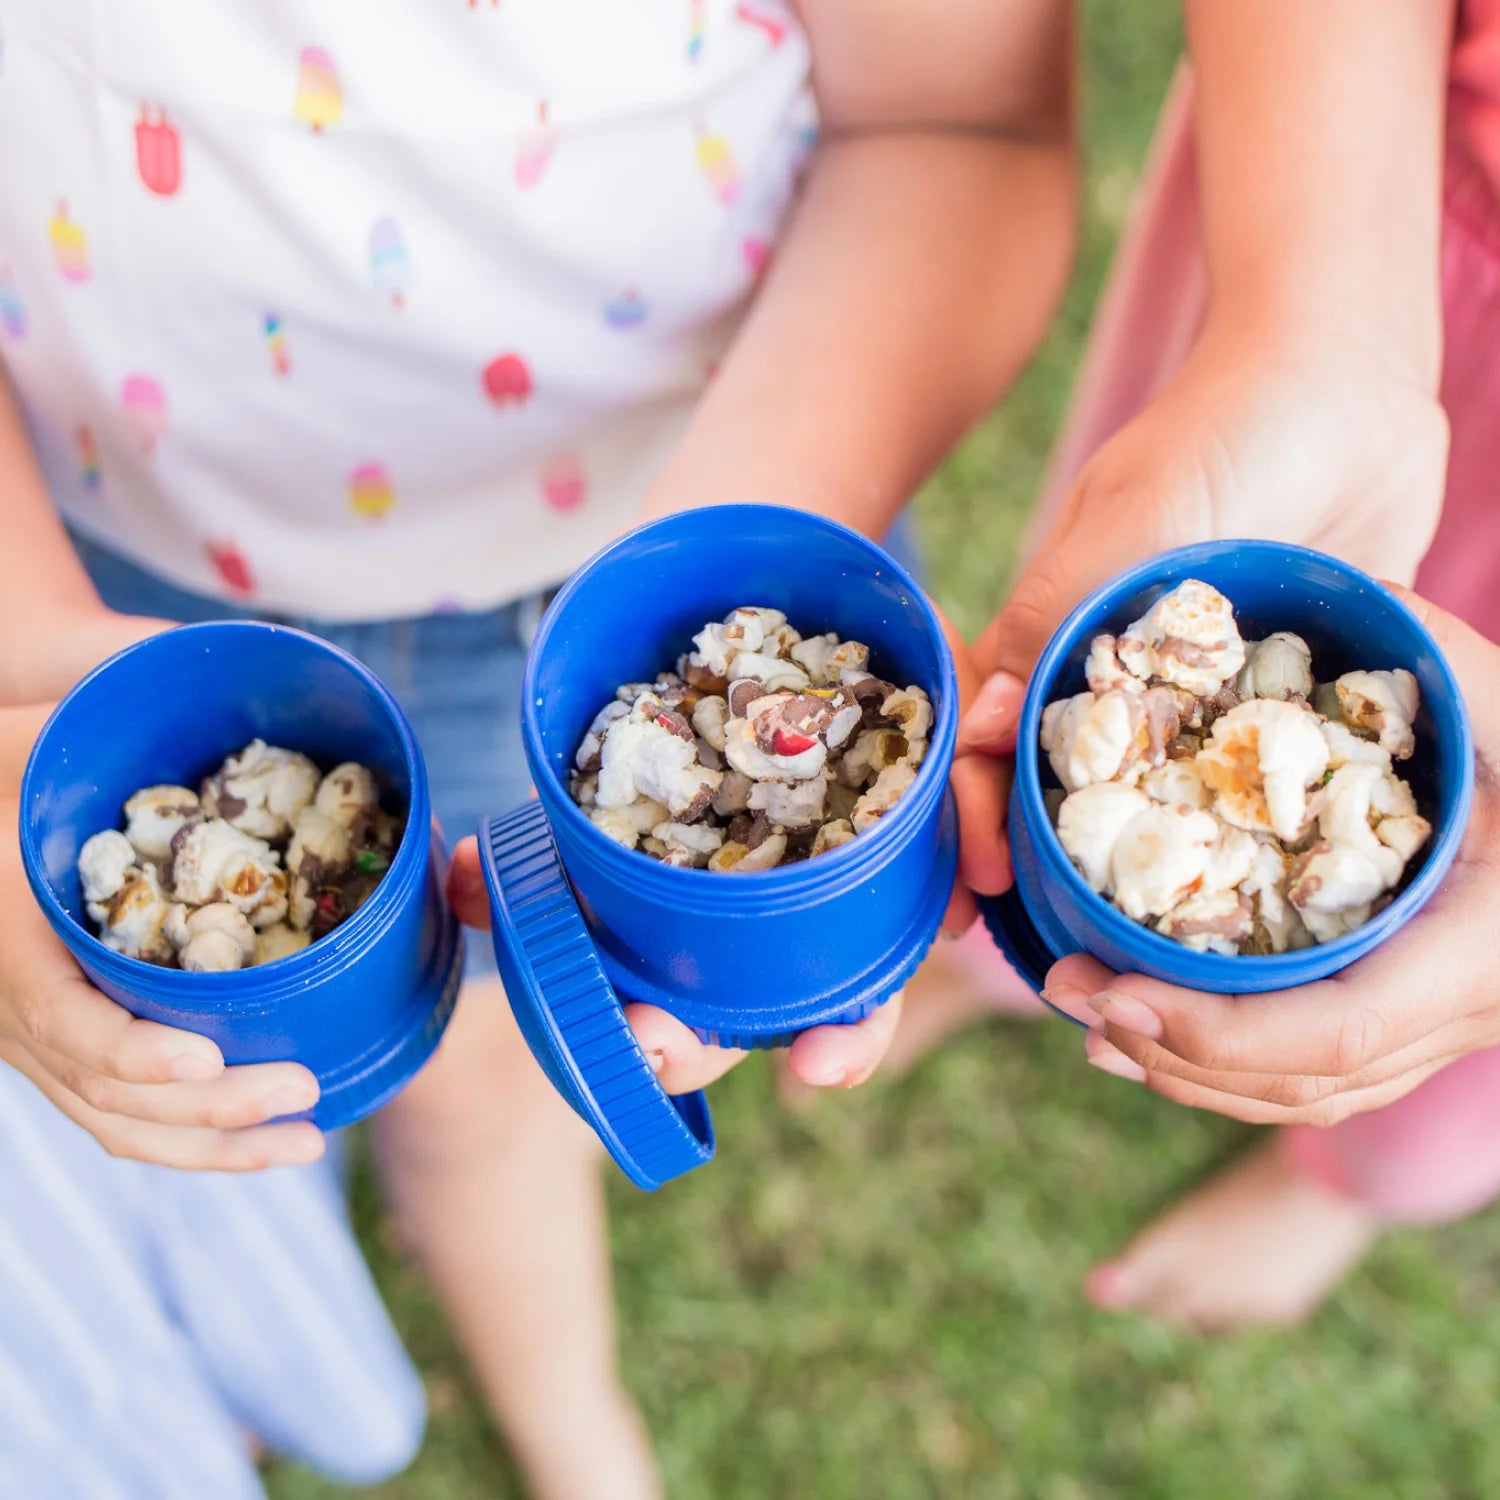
[[200, 884], [134, 920], [1090, 822], [1187, 638], [764, 748], [1213, 789], [1383, 703], [154, 815], [214, 939], [104, 865], [214, 861], [1278, 667], [261, 790], [1260, 762]]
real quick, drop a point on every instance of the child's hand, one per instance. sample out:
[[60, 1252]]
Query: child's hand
[[143, 1091], [1357, 1041], [1311, 440]]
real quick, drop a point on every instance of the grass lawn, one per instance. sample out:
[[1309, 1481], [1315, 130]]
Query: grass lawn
[[879, 1300]]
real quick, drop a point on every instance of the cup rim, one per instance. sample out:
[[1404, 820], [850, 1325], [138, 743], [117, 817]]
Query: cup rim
[[890, 827], [1162, 951], [365, 924]]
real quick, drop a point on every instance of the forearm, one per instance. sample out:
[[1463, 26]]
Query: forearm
[[920, 272], [1320, 130], [39, 572]]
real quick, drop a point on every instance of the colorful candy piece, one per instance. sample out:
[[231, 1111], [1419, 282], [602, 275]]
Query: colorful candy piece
[[390, 267], [320, 97], [144, 404], [370, 491], [70, 247], [534, 149], [158, 152]]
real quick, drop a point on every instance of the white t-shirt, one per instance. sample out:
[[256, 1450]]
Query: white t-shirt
[[359, 308]]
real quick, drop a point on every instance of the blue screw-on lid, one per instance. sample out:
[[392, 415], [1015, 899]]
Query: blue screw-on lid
[[569, 1013]]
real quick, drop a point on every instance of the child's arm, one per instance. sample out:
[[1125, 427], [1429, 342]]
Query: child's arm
[[919, 271], [1308, 409]]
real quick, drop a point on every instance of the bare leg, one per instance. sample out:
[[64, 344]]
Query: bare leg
[[496, 1185], [1261, 1244]]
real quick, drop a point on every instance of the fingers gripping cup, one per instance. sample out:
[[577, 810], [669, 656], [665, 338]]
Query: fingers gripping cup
[[583, 924], [1351, 623], [364, 1006]]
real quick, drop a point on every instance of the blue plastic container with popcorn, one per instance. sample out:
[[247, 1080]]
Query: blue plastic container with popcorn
[[740, 723], [228, 825], [1240, 766]]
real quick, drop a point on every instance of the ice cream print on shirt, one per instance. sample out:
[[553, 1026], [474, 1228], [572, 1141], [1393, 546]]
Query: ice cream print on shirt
[[311, 305]]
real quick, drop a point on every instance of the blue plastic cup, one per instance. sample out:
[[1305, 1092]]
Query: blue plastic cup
[[1351, 622], [364, 1007], [747, 960]]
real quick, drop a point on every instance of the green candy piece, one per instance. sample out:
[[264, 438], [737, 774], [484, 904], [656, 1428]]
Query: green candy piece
[[371, 862]]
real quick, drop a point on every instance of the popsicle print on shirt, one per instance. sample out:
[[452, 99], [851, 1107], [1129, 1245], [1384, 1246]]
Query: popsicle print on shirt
[[320, 97], [70, 246], [158, 152], [144, 404]]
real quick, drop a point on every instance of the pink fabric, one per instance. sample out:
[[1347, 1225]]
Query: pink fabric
[[1435, 1154]]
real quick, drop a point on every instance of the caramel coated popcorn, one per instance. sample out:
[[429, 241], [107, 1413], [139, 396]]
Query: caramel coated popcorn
[[762, 748], [268, 856], [1215, 791]]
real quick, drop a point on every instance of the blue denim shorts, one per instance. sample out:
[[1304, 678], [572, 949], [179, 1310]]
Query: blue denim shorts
[[457, 676]]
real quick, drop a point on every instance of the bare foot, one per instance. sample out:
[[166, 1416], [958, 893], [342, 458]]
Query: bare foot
[[959, 983], [1260, 1245]]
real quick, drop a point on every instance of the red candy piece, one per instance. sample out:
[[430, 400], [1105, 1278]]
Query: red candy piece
[[788, 742]]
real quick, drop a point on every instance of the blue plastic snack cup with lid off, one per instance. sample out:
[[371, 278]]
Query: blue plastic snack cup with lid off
[[1351, 623], [364, 1006], [584, 925]]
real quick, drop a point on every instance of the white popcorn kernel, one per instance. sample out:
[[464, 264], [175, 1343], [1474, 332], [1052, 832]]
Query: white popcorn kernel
[[1209, 921], [280, 941], [1278, 667], [1116, 736], [773, 674], [214, 939], [213, 861], [348, 793], [1346, 747], [154, 815], [889, 787], [814, 654], [627, 825], [694, 843], [261, 790], [709, 718], [781, 641], [871, 753], [831, 836], [1187, 638], [1374, 812], [1089, 822], [134, 920], [104, 865], [1260, 761], [1159, 858], [654, 757], [733, 795], [589, 749], [1278, 927], [583, 789], [1334, 888], [321, 850], [738, 859], [791, 805], [1177, 783], [911, 710], [1383, 703], [1104, 671]]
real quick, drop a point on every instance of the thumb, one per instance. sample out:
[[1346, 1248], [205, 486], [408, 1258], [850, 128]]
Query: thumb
[[467, 894], [1475, 662]]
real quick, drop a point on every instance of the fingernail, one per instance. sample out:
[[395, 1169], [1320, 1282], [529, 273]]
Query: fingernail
[[1128, 1013], [194, 1067], [830, 1076], [1072, 1001], [288, 1101], [997, 698], [657, 1058], [1109, 1059], [304, 1147]]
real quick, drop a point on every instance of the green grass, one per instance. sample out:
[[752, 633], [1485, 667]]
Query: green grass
[[880, 1300]]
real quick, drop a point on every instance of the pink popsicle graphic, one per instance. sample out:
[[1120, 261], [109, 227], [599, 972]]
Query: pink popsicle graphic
[[144, 404]]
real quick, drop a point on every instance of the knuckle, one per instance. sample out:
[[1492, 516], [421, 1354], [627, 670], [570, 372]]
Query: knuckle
[[97, 1091], [118, 1144], [1363, 1037], [34, 1016]]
